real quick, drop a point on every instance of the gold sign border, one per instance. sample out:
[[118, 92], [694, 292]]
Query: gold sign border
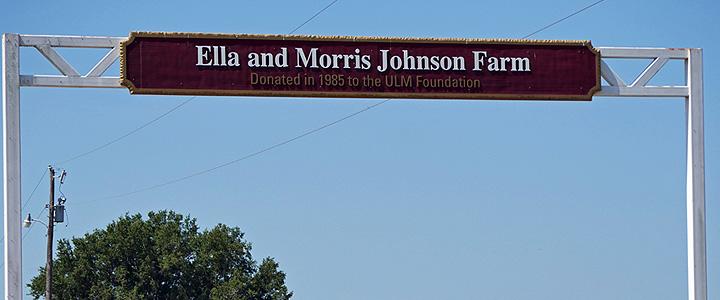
[[477, 96]]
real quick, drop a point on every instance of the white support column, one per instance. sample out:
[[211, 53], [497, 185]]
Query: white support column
[[11, 166], [697, 259]]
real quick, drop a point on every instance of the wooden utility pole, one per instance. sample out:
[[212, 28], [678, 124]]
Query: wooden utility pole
[[51, 224]]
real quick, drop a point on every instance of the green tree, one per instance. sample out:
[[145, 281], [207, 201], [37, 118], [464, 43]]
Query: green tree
[[163, 257]]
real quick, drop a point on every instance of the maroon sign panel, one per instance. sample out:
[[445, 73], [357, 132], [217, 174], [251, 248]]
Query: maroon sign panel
[[358, 67]]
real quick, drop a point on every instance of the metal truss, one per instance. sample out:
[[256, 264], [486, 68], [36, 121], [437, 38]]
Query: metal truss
[[638, 87], [691, 91], [70, 76]]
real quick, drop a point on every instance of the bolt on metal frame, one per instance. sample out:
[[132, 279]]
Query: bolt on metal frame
[[692, 91]]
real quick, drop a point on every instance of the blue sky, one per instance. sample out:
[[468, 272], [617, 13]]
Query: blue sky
[[412, 199]]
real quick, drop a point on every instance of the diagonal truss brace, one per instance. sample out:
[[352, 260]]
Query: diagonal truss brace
[[57, 61]]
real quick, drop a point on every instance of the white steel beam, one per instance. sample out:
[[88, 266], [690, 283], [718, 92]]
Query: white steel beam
[[65, 81], [620, 52], [697, 256], [11, 166], [645, 91], [70, 41]]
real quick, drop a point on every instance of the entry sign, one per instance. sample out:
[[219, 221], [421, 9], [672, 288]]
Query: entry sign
[[358, 67]]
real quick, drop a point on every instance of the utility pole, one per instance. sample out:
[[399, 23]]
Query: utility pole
[[50, 226]]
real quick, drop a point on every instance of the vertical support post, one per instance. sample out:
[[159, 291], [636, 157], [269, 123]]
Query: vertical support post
[[11, 166], [697, 259]]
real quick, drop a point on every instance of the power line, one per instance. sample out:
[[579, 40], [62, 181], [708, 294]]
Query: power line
[[563, 19], [313, 17], [115, 140], [42, 178], [251, 155]]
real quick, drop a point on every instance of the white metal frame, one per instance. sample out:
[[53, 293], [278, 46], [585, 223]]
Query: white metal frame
[[692, 91]]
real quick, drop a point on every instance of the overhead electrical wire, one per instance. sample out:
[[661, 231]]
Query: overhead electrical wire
[[129, 133], [313, 17], [42, 178], [563, 19], [146, 124], [239, 159]]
